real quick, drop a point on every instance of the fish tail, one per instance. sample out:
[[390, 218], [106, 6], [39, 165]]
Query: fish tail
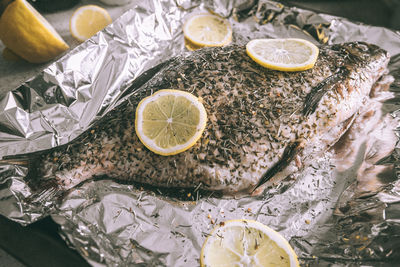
[[32, 176], [23, 161]]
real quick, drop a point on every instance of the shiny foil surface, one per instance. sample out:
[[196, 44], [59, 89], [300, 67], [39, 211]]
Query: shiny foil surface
[[321, 214]]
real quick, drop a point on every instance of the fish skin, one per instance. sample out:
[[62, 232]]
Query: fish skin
[[255, 116]]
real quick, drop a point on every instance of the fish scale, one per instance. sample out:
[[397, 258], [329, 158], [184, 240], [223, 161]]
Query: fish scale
[[259, 121]]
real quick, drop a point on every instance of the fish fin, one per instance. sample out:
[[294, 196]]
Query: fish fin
[[317, 92], [31, 178], [288, 155]]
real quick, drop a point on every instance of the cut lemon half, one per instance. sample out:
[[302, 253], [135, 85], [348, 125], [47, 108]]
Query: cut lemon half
[[170, 121], [29, 35], [246, 243], [87, 20], [207, 30], [283, 54]]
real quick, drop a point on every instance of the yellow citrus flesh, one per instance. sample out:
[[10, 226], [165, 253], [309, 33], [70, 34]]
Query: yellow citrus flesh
[[170, 121], [27, 34], [289, 54], [87, 20], [207, 30], [246, 243]]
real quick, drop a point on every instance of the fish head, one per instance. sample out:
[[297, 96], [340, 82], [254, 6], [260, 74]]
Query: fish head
[[369, 56]]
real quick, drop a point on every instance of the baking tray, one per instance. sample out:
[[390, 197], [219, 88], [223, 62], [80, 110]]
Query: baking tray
[[39, 244]]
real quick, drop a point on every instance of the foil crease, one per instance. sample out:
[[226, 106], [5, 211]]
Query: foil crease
[[322, 214]]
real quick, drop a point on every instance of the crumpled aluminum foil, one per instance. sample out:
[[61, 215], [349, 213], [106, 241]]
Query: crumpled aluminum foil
[[116, 224]]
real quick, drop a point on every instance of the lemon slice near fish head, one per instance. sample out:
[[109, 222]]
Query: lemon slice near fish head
[[206, 29], [170, 121], [246, 243], [289, 54], [87, 20]]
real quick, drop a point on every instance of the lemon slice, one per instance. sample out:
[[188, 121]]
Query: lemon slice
[[87, 20], [29, 35], [283, 54], [170, 121], [207, 30], [246, 243]]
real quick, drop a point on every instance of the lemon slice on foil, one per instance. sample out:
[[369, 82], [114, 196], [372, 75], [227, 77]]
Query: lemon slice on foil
[[246, 243], [87, 20], [207, 30]]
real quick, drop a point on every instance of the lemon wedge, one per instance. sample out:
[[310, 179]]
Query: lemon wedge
[[29, 35], [207, 30], [87, 20], [246, 243], [283, 54], [170, 121]]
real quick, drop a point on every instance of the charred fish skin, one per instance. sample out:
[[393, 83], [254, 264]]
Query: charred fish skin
[[254, 116]]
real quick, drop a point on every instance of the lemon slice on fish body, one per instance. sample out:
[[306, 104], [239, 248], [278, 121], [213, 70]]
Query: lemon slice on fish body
[[170, 121], [289, 54], [246, 243]]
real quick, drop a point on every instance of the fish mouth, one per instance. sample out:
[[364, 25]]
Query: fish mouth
[[366, 55], [366, 50]]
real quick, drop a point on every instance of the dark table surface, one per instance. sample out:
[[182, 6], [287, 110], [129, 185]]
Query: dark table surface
[[39, 244]]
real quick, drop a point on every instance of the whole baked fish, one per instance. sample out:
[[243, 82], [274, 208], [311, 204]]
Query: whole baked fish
[[262, 124]]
